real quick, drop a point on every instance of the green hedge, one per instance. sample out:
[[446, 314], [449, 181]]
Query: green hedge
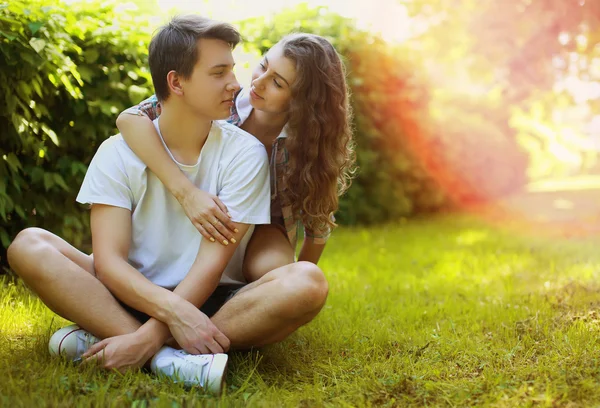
[[65, 73]]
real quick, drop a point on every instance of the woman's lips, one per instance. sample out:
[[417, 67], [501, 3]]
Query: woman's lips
[[255, 95]]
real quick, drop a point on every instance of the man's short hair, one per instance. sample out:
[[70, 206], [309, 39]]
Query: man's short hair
[[175, 47]]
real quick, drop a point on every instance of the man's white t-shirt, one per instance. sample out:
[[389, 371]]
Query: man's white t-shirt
[[233, 165]]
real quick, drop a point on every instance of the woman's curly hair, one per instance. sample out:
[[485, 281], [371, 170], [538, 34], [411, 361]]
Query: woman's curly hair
[[320, 144]]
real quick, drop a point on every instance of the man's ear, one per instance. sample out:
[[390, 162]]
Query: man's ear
[[174, 83]]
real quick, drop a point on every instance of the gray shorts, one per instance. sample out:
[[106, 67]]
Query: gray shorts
[[216, 300]]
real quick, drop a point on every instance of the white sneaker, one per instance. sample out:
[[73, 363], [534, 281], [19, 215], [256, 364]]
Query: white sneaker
[[206, 370], [71, 342]]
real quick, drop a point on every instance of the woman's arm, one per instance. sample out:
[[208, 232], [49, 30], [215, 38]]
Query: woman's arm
[[314, 242], [207, 213], [311, 251]]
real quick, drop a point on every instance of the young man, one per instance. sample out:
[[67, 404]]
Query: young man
[[151, 269]]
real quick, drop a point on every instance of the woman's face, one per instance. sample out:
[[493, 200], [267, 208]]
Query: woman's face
[[272, 80]]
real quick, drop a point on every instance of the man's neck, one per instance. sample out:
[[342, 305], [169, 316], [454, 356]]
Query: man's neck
[[183, 131]]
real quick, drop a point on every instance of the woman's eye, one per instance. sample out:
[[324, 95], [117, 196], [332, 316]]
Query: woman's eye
[[276, 84]]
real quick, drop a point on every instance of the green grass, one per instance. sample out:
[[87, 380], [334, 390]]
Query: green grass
[[439, 312]]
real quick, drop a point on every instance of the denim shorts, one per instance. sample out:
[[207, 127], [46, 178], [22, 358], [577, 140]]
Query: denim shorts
[[216, 300]]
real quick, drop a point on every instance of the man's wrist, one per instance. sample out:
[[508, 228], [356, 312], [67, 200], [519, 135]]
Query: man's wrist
[[167, 312], [149, 344], [153, 335]]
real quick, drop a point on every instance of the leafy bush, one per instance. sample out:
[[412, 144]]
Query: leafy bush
[[65, 73]]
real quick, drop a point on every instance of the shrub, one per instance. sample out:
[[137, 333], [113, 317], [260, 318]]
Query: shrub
[[65, 73]]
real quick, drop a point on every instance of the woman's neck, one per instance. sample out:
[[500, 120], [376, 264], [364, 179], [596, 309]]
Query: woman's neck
[[265, 126]]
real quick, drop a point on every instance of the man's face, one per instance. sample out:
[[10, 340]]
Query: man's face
[[210, 89]]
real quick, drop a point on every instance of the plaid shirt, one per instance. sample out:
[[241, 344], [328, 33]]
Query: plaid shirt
[[281, 208]]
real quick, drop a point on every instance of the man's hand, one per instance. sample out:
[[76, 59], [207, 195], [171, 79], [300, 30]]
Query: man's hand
[[194, 331], [121, 352]]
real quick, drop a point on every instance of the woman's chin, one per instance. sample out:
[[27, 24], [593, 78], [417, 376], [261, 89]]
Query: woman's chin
[[255, 103]]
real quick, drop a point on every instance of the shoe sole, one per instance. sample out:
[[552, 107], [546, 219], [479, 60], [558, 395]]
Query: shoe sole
[[219, 365]]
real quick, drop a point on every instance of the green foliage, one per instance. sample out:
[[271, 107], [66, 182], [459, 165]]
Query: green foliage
[[65, 73]]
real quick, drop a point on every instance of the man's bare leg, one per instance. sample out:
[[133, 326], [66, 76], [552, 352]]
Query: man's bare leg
[[264, 312], [64, 278], [270, 309]]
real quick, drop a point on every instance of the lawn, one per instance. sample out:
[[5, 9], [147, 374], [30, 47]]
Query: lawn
[[441, 312]]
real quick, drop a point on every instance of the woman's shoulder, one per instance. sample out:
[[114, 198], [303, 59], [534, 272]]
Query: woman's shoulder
[[241, 108]]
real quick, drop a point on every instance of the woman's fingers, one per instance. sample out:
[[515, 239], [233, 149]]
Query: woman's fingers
[[226, 222], [221, 220], [214, 229], [222, 206], [219, 226], [203, 231], [202, 349], [216, 234]]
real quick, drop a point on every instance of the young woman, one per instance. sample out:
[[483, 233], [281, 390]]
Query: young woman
[[297, 106]]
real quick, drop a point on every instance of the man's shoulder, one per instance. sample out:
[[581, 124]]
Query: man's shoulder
[[240, 148], [113, 143], [237, 137], [117, 147]]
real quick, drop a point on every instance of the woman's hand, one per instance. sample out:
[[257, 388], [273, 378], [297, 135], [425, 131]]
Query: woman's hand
[[209, 215]]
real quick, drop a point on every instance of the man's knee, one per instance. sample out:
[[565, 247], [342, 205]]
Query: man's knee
[[310, 282], [25, 245]]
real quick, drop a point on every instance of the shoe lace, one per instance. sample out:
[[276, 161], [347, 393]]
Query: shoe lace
[[86, 340]]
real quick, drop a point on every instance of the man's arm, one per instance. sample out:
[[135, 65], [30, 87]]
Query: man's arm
[[191, 328], [111, 238], [245, 191], [175, 312]]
